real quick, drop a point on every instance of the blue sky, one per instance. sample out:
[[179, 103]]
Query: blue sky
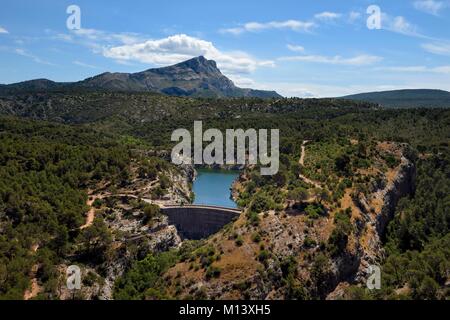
[[299, 48]]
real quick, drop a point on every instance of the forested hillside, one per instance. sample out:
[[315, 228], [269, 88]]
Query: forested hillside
[[412, 98], [105, 143], [45, 170]]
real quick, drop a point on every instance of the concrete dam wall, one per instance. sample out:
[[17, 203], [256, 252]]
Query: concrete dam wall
[[198, 222]]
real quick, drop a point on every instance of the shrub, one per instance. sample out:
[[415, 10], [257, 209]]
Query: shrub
[[239, 241], [213, 272], [164, 182], [256, 237], [309, 243], [339, 237], [263, 255], [260, 203], [150, 211], [97, 203]]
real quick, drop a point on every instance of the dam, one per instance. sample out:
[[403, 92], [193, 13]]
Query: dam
[[212, 209], [195, 222]]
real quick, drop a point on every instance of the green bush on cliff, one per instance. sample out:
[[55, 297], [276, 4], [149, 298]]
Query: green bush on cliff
[[145, 277]]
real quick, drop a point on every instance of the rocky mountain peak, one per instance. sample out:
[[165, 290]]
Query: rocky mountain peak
[[199, 65], [196, 77]]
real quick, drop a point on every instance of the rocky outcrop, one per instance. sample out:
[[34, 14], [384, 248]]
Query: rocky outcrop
[[371, 227], [180, 191], [162, 237], [402, 185]]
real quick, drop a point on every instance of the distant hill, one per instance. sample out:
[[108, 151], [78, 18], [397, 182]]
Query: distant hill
[[197, 77], [141, 108], [411, 98]]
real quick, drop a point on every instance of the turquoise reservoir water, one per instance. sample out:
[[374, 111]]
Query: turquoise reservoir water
[[212, 187]]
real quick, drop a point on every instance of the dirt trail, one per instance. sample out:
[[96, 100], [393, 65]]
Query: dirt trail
[[302, 156], [302, 163], [34, 291], [91, 213], [35, 288]]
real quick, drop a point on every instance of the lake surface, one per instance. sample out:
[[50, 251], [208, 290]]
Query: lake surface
[[212, 187]]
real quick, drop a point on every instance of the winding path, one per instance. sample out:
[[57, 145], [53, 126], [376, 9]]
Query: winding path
[[35, 288], [91, 213], [302, 163], [302, 156]]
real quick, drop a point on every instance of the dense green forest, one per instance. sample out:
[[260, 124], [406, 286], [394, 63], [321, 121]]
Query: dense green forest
[[45, 170], [418, 241]]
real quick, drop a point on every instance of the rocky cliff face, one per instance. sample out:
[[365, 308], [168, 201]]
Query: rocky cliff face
[[134, 235], [159, 238], [376, 210], [402, 185]]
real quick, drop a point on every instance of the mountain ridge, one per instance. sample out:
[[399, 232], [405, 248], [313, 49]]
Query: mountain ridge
[[405, 98], [196, 77]]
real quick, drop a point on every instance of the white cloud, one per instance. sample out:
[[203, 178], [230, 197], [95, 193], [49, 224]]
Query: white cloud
[[442, 69], [321, 90], [294, 25], [359, 60], [326, 87], [417, 69], [3, 30], [295, 48], [125, 48], [404, 69], [234, 31], [437, 48], [430, 6], [82, 64], [400, 25], [242, 82], [63, 37], [353, 16], [327, 16], [98, 35], [95, 39], [180, 47], [36, 59]]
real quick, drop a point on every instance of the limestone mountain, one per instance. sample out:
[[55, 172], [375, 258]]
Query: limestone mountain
[[197, 77]]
